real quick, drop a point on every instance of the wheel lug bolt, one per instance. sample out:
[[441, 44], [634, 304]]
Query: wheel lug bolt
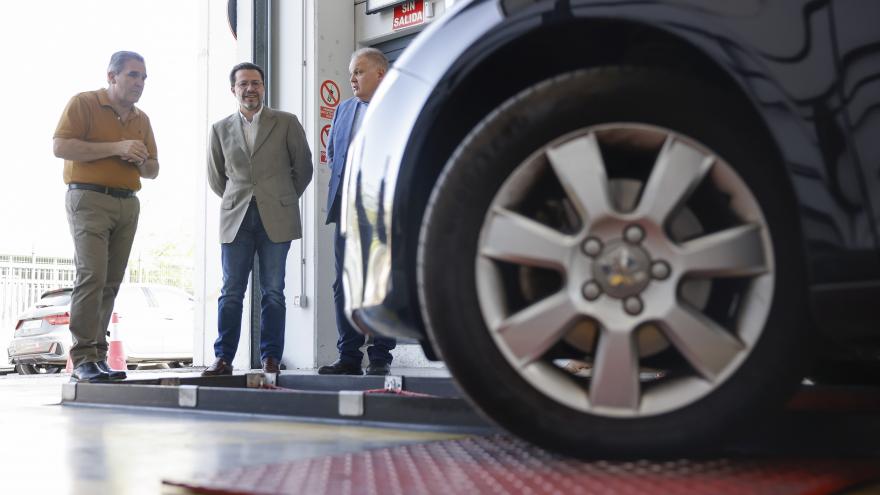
[[632, 305], [591, 291], [592, 247], [634, 234], [660, 270]]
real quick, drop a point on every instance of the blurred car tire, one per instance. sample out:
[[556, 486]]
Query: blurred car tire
[[37, 369], [457, 295]]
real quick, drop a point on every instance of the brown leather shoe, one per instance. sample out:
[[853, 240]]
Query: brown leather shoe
[[220, 367], [271, 365]]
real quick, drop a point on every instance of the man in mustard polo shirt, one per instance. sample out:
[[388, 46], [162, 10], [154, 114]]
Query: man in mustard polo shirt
[[107, 145]]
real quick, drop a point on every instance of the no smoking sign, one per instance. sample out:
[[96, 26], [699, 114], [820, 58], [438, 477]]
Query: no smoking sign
[[330, 93]]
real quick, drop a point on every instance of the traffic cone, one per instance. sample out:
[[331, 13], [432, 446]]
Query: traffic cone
[[116, 353], [69, 367]]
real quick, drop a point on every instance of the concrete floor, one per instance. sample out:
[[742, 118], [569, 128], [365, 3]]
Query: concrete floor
[[49, 448], [74, 449]]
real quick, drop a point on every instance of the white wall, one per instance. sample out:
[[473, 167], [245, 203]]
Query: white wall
[[311, 42], [329, 43], [219, 53], [309, 39], [293, 86]]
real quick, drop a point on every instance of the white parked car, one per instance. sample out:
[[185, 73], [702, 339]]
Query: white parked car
[[154, 323]]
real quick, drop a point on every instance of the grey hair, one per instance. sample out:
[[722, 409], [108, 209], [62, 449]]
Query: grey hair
[[118, 60], [374, 55]]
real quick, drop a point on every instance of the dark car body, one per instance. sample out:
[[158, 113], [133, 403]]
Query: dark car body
[[807, 73], [810, 71]]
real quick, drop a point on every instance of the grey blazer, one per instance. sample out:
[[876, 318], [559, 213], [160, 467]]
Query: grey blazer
[[276, 173]]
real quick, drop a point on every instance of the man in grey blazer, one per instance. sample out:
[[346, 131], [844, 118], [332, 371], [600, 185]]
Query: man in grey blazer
[[259, 162]]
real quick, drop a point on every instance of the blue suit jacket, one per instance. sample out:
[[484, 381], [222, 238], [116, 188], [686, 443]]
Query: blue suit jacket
[[337, 149]]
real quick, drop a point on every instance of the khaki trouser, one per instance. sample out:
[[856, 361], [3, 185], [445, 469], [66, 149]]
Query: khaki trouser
[[103, 229]]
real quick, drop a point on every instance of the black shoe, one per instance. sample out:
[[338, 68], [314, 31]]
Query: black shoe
[[341, 368], [89, 372], [114, 375], [220, 367], [378, 369]]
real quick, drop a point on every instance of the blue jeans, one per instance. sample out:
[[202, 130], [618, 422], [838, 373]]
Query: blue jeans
[[350, 340], [238, 258]]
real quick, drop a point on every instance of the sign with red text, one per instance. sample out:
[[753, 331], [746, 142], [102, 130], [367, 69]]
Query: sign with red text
[[408, 14]]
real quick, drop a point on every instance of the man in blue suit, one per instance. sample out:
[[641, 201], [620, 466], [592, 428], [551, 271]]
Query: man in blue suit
[[368, 66]]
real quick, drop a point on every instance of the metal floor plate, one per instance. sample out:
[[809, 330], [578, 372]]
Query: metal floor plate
[[500, 465], [427, 403]]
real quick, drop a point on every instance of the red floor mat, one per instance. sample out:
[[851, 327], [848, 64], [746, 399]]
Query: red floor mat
[[502, 465]]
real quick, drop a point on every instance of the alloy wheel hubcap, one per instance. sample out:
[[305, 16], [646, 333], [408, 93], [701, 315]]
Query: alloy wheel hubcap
[[623, 268]]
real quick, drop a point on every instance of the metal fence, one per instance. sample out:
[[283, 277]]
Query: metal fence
[[24, 278]]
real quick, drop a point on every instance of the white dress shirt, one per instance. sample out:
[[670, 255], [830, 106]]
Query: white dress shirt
[[250, 128]]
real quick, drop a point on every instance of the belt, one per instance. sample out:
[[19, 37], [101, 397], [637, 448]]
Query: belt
[[112, 191]]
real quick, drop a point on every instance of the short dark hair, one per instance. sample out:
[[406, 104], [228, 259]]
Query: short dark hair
[[118, 60], [246, 66]]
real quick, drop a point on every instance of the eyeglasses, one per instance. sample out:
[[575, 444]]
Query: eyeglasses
[[245, 84]]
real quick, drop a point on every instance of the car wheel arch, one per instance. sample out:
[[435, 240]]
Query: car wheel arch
[[458, 103]]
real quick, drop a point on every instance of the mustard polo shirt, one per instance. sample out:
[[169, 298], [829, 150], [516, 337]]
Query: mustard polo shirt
[[90, 117]]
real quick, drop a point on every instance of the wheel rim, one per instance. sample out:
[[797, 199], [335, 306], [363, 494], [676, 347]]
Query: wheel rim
[[27, 369], [626, 265]]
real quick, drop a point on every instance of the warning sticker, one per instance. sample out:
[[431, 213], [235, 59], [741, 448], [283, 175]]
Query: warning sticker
[[330, 93], [327, 112], [325, 134], [408, 14]]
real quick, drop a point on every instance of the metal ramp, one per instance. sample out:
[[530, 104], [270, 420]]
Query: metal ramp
[[405, 401]]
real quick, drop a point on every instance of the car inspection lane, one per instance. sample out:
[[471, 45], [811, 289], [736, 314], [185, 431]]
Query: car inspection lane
[[828, 441], [87, 450]]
